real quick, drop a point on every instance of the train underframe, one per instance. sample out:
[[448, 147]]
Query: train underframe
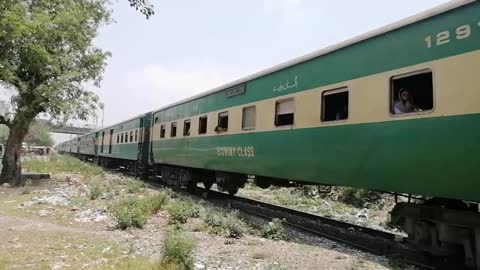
[[440, 227]]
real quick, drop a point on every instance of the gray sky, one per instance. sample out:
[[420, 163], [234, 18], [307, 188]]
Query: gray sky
[[191, 46]]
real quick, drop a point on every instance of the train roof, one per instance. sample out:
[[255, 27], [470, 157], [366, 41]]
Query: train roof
[[388, 28]]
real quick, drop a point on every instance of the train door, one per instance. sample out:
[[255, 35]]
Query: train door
[[145, 137], [103, 140], [110, 145], [95, 145]]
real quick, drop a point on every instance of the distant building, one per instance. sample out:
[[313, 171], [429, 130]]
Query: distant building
[[4, 110]]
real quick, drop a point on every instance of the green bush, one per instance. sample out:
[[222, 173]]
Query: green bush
[[229, 224], [129, 213], [180, 211], [357, 197], [95, 191], [134, 212], [274, 230], [179, 249]]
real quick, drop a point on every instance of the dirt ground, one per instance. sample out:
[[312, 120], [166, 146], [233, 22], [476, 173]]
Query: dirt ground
[[55, 225]]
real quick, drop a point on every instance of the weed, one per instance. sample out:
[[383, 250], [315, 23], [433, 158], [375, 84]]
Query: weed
[[180, 211], [179, 249], [229, 224], [95, 191], [134, 212], [274, 230], [128, 213], [357, 197]]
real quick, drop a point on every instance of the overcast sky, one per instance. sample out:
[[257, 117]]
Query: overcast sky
[[192, 46]]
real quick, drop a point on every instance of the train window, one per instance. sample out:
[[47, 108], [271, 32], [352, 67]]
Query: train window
[[411, 92], [186, 128], [126, 137], [162, 131], [222, 122], [335, 105], [173, 131], [202, 125], [156, 120], [121, 137], [284, 112], [131, 136], [118, 138], [249, 118], [136, 135]]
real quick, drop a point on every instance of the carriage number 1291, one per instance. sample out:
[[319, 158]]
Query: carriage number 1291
[[442, 38]]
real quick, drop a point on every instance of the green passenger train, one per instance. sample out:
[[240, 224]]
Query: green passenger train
[[394, 110]]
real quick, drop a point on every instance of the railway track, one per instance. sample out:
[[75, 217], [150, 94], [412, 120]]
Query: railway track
[[366, 239]]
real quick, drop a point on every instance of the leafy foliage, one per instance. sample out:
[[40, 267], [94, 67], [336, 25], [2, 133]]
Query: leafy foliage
[[38, 135], [143, 6], [274, 230], [46, 54], [134, 212], [179, 249], [227, 224], [180, 211]]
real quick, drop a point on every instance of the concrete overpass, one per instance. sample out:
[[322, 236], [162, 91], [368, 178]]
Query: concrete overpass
[[66, 129]]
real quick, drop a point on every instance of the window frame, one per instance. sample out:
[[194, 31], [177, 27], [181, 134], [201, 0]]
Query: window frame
[[275, 115], [121, 137], [219, 115], [391, 97], [189, 129], [333, 92], [243, 116], [131, 136], [173, 124], [163, 128], [206, 124], [136, 135]]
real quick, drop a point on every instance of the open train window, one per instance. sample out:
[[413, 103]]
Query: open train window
[[335, 105], [118, 138], [249, 118], [121, 138], [162, 131], [186, 128], [284, 112], [202, 125], [156, 120], [222, 122], [131, 136], [411, 92], [173, 130], [136, 135]]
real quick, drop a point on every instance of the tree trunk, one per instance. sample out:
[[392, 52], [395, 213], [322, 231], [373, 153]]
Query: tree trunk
[[12, 166]]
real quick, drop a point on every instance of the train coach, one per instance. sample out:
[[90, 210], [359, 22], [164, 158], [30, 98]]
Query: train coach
[[394, 110]]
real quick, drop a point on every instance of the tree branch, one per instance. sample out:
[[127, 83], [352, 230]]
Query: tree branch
[[4, 121]]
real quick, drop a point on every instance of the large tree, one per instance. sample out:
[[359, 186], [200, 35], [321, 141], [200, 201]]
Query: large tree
[[47, 58]]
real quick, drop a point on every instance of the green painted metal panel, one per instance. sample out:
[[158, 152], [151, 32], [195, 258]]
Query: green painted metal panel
[[431, 156], [122, 151], [393, 50]]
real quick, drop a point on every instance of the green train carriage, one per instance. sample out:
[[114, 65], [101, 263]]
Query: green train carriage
[[330, 118], [125, 144]]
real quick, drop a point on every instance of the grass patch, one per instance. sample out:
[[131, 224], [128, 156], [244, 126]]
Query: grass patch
[[227, 224], [179, 249], [274, 230], [134, 212], [180, 211], [55, 164]]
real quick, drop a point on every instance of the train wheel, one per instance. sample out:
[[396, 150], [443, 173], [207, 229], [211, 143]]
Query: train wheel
[[208, 184], [232, 190]]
